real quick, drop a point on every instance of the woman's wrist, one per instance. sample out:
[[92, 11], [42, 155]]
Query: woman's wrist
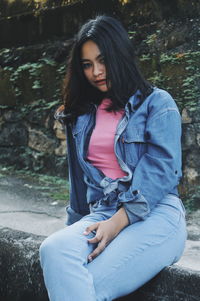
[[120, 219]]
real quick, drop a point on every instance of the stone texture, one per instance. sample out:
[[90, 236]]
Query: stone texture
[[191, 174], [13, 134], [38, 117], [59, 130], [186, 117], [1, 122], [20, 278], [198, 139], [192, 159], [61, 150], [12, 116], [40, 142], [12, 156], [176, 38], [189, 136], [171, 284], [193, 225]]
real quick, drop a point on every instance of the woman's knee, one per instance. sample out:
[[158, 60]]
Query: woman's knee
[[51, 246], [46, 250], [64, 243]]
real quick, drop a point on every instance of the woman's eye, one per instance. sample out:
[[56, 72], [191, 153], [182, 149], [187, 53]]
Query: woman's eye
[[102, 61], [86, 65]]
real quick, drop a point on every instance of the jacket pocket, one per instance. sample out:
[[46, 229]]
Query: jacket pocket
[[135, 145]]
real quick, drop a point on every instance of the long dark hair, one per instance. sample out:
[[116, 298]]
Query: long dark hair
[[121, 69]]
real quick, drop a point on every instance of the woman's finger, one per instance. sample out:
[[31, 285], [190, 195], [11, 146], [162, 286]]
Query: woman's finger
[[97, 251], [91, 229], [95, 239]]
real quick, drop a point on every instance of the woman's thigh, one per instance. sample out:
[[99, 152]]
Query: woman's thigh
[[69, 239], [63, 258], [139, 252]]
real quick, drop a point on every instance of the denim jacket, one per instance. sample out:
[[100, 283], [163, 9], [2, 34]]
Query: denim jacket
[[148, 149]]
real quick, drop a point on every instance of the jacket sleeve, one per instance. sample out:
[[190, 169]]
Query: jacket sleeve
[[78, 204], [158, 171]]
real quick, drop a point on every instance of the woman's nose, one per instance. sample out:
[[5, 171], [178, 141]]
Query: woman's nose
[[97, 69]]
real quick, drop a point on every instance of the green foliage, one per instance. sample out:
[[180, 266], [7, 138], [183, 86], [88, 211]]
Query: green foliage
[[151, 39], [184, 85], [172, 58], [158, 79], [62, 69], [131, 34], [31, 74], [145, 57]]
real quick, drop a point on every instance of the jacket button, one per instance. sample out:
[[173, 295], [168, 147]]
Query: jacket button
[[135, 192]]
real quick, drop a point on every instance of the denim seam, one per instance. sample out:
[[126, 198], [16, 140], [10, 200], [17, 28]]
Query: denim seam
[[164, 111]]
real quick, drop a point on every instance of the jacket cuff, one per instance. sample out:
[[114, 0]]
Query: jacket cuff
[[131, 216], [135, 205]]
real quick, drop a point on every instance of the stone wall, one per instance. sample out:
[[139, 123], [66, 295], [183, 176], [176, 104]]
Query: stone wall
[[33, 140], [168, 51]]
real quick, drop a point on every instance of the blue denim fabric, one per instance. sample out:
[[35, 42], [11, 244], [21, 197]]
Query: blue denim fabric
[[148, 148], [136, 255]]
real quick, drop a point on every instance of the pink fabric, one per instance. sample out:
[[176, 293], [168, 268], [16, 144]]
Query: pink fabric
[[101, 147]]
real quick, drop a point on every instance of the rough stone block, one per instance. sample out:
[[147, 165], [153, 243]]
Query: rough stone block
[[61, 150], [59, 130], [186, 117], [13, 134], [40, 142], [21, 276]]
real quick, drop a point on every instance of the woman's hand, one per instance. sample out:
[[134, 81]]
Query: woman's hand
[[106, 231]]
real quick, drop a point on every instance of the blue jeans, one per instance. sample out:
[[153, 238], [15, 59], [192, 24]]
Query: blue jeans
[[136, 255]]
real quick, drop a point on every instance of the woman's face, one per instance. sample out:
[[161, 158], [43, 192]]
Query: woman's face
[[93, 65]]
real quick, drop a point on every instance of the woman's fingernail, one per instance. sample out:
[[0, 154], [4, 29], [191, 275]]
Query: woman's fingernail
[[89, 258], [85, 232]]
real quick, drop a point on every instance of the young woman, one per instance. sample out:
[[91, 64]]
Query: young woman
[[126, 221]]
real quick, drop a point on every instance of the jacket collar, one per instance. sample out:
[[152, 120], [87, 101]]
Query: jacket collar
[[134, 101]]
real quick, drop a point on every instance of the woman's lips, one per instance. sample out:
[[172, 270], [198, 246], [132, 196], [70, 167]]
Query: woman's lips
[[100, 82]]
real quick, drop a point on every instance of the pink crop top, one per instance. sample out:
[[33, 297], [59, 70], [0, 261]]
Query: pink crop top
[[101, 146]]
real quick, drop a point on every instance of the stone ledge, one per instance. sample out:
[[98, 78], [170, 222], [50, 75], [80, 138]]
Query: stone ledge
[[21, 276]]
